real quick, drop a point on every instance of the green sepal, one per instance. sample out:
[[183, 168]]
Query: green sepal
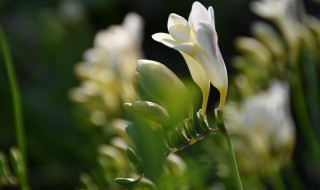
[[181, 138], [127, 181], [17, 163], [204, 126], [135, 160], [172, 139], [147, 184], [220, 123], [190, 128], [4, 168], [181, 134], [133, 157]]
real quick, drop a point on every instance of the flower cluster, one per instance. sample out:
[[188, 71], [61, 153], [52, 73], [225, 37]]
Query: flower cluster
[[107, 72]]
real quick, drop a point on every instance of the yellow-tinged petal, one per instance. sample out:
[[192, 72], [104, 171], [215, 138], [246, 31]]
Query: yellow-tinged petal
[[199, 76], [161, 36]]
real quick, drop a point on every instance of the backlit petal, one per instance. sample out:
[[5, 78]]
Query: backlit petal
[[180, 32], [198, 13], [161, 36]]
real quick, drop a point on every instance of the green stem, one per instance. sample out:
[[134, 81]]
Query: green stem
[[276, 180], [299, 103], [224, 132], [301, 110], [16, 99]]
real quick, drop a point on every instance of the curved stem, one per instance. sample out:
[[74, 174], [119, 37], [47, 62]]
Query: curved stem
[[224, 132], [18, 115]]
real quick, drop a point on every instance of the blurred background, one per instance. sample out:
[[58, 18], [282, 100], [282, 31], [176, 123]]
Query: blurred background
[[47, 39]]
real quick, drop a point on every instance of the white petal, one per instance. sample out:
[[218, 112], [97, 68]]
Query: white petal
[[188, 47], [198, 13], [161, 36], [212, 60], [175, 19], [207, 37], [169, 43]]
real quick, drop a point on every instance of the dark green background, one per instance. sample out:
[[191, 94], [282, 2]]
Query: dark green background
[[46, 45]]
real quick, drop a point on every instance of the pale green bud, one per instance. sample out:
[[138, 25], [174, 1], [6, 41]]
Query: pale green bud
[[148, 110], [162, 85]]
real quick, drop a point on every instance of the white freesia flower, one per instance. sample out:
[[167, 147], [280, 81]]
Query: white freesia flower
[[107, 72], [196, 39], [262, 129]]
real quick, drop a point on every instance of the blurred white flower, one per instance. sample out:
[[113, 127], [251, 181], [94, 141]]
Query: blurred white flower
[[196, 39], [262, 128], [283, 13], [107, 72]]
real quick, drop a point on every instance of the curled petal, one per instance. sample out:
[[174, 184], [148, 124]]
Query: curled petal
[[178, 28], [175, 19]]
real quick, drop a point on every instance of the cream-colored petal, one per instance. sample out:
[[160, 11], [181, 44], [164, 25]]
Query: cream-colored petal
[[200, 77], [180, 32], [161, 36], [188, 47], [197, 73]]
